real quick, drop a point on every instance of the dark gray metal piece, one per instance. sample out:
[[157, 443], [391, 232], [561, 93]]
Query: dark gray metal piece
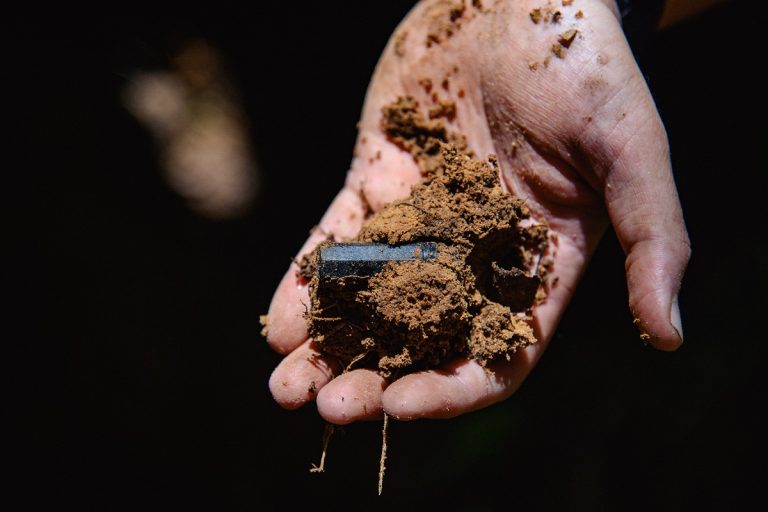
[[362, 260]]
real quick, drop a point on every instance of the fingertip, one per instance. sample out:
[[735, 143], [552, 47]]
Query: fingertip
[[299, 376], [668, 343], [353, 396], [661, 331], [287, 392], [654, 271]]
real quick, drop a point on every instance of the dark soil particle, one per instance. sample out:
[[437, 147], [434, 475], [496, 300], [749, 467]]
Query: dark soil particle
[[567, 37], [558, 50], [444, 108], [474, 299]]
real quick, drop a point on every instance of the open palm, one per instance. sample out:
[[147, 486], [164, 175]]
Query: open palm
[[555, 93]]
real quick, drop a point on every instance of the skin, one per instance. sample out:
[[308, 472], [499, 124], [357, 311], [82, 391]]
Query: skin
[[579, 139]]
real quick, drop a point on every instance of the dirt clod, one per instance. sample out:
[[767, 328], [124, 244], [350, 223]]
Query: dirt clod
[[567, 37], [558, 50], [444, 108], [474, 299], [444, 18]]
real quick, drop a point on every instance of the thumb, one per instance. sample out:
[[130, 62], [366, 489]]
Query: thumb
[[645, 211]]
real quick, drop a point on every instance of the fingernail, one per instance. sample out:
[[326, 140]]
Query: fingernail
[[675, 319]]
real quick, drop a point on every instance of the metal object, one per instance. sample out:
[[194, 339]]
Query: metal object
[[362, 260], [508, 286]]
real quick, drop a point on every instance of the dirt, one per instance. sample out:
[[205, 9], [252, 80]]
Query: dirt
[[567, 37], [550, 15], [400, 40], [444, 108], [446, 17], [264, 321], [405, 125], [473, 299]]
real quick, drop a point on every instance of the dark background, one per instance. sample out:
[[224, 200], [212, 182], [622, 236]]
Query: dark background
[[139, 380]]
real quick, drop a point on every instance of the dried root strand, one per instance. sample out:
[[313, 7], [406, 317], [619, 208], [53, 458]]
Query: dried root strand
[[326, 439], [357, 359], [383, 459]]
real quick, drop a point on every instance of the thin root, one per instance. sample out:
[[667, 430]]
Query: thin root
[[326, 439], [356, 359], [430, 216], [383, 459]]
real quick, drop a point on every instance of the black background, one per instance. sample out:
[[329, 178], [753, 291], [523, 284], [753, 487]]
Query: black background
[[139, 380]]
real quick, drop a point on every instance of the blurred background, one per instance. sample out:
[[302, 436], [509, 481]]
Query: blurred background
[[175, 158]]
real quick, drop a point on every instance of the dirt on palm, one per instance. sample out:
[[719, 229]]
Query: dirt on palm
[[473, 299]]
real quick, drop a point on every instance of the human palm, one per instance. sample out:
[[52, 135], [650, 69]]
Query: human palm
[[577, 137]]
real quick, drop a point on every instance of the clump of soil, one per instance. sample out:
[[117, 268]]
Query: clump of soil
[[444, 19], [550, 15], [473, 299]]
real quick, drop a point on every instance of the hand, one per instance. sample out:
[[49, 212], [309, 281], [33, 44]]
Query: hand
[[577, 136]]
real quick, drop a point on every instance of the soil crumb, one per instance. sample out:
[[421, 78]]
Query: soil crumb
[[444, 108], [405, 126], [445, 18], [558, 50], [473, 298], [399, 46], [549, 14], [567, 37]]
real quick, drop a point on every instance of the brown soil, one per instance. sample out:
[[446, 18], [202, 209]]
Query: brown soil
[[567, 37], [444, 19], [558, 50], [548, 14], [474, 299], [444, 108]]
